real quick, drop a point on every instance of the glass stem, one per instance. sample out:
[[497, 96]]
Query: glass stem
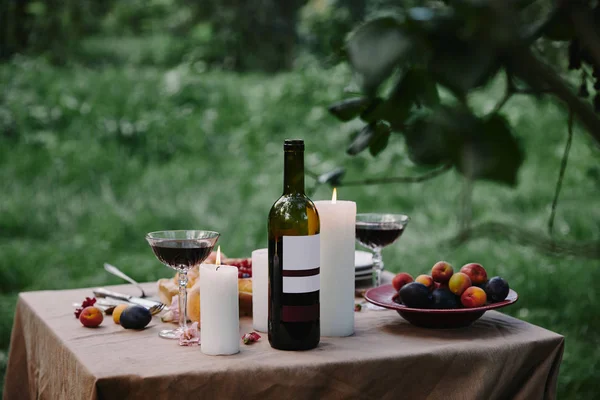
[[183, 280], [377, 267]]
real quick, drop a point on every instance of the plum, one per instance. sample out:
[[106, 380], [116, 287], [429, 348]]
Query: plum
[[496, 289], [444, 298], [415, 295], [135, 317]]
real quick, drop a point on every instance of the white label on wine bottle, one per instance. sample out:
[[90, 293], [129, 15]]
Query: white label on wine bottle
[[300, 264]]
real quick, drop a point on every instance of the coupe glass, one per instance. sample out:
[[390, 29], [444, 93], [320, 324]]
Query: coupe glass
[[375, 231], [181, 250]]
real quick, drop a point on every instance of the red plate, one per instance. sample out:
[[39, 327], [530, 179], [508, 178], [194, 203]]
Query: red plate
[[433, 318]]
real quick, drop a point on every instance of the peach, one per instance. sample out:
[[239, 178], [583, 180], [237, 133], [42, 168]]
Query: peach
[[458, 283], [91, 317], [427, 281], [401, 279], [473, 297], [476, 272], [442, 271]]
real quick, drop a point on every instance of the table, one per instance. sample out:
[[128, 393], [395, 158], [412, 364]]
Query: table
[[53, 357]]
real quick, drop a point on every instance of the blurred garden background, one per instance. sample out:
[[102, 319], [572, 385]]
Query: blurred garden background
[[122, 117]]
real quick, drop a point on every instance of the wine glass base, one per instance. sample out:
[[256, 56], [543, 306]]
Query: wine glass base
[[171, 333]]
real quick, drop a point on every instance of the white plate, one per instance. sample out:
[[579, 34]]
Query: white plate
[[362, 259]]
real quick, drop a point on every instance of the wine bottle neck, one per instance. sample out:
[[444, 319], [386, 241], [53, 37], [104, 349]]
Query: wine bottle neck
[[293, 180]]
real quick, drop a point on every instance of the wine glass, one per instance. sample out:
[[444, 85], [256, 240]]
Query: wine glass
[[181, 250], [375, 231]]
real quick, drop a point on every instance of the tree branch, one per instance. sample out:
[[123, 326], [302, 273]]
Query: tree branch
[[399, 179], [561, 174], [539, 74], [520, 236]]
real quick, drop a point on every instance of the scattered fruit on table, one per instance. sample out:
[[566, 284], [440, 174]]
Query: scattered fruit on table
[[415, 295], [135, 317], [473, 297], [475, 272], [250, 337], [458, 283], [427, 281], [116, 314], [444, 289], [496, 289], [357, 307], [401, 279], [91, 317], [85, 303], [442, 271]]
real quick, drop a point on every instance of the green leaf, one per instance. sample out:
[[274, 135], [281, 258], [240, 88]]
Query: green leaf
[[348, 109], [415, 87], [333, 177], [374, 135], [492, 153], [427, 142], [361, 139], [380, 140], [375, 49], [463, 65]]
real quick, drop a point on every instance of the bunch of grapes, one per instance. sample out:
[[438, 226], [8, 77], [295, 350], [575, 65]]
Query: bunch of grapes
[[86, 303]]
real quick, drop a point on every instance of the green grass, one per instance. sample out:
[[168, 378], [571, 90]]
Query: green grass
[[92, 159]]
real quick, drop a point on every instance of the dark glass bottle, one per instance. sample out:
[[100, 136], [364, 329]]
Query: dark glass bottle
[[294, 260]]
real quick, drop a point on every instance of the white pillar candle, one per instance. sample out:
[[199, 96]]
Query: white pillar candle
[[338, 220], [219, 310], [260, 290]]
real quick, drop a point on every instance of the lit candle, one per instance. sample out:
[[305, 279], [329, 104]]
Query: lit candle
[[338, 220], [219, 309], [260, 290]]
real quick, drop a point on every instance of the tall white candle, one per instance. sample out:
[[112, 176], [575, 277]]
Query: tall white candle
[[219, 310], [338, 220], [260, 290]]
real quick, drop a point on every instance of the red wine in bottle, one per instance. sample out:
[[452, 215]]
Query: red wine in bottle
[[294, 258]]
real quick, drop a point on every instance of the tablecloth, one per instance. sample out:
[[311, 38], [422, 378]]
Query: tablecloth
[[53, 357]]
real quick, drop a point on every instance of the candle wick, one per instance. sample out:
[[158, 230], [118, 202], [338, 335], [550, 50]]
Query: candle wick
[[218, 266]]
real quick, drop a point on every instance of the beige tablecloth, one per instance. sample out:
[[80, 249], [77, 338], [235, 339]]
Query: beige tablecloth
[[53, 357]]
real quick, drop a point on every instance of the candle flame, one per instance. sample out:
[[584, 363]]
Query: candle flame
[[218, 260], [334, 196]]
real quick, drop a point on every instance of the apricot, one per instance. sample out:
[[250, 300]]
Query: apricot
[[91, 317], [427, 281], [458, 283], [476, 272], [473, 297], [442, 271], [193, 303], [401, 279], [116, 315]]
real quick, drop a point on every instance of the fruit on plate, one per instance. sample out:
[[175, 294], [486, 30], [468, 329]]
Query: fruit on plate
[[444, 299], [473, 297], [91, 317], [496, 289], [475, 272], [442, 271], [401, 279], [116, 314], [427, 281], [135, 317], [415, 295], [458, 283]]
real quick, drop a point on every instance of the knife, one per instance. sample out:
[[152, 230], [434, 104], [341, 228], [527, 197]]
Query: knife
[[101, 292]]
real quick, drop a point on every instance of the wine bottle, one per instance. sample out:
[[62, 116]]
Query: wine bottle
[[294, 258]]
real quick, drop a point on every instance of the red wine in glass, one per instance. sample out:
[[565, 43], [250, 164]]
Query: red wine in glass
[[375, 231], [181, 250], [373, 236], [182, 254]]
